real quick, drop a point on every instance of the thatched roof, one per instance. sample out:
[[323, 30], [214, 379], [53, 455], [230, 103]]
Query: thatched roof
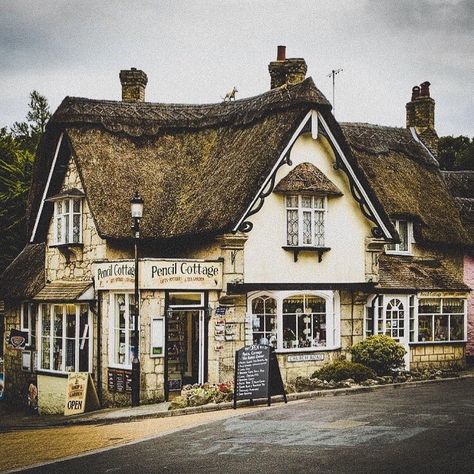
[[415, 273], [461, 185], [307, 178], [407, 181], [25, 276], [197, 167]]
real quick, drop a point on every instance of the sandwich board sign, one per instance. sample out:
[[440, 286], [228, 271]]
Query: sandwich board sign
[[257, 374], [81, 395]]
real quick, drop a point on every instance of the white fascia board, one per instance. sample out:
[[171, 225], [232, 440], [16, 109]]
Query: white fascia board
[[269, 176], [45, 192], [354, 177]]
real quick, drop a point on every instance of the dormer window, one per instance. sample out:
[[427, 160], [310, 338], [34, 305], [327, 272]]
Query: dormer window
[[405, 231], [68, 217], [305, 220]]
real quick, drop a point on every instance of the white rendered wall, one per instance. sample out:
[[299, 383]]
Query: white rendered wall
[[346, 229]]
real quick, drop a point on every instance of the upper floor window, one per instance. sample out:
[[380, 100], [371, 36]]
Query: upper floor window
[[405, 231], [306, 220], [68, 221]]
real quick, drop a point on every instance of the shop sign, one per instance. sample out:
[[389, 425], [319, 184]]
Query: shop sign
[[159, 274], [119, 380], [442, 294], [181, 274], [257, 374], [17, 339], [81, 395], [114, 275], [305, 357]]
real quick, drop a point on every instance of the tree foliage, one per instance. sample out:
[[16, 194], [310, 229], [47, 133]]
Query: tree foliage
[[17, 148], [456, 153]]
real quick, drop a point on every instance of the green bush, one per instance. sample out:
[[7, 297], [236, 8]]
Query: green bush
[[380, 353], [342, 370]]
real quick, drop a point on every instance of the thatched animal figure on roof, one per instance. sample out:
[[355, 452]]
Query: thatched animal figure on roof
[[231, 94]]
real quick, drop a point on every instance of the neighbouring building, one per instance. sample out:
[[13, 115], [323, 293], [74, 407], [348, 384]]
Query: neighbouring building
[[265, 220], [461, 185]]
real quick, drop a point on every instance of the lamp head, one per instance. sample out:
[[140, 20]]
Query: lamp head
[[136, 205]]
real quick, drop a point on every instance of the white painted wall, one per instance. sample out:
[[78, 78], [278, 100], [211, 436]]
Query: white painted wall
[[346, 229]]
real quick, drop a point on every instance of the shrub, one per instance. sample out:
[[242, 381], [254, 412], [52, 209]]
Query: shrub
[[342, 370], [380, 353]]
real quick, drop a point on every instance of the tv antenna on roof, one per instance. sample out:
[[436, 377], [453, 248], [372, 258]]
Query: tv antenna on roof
[[333, 74]]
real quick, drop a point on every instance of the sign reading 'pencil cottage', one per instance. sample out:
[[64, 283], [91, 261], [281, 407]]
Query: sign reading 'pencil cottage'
[[159, 274]]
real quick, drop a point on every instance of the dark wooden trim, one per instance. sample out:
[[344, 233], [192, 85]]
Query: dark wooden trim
[[417, 290], [242, 288], [297, 249]]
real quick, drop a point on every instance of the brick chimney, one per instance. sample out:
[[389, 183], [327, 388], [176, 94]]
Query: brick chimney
[[286, 71], [133, 83], [420, 115]]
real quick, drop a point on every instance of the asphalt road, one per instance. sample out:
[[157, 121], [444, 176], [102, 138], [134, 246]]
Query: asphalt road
[[427, 428]]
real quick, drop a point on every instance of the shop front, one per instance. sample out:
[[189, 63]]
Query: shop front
[[176, 301]]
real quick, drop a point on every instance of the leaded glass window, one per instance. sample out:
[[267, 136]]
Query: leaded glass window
[[305, 220], [264, 320]]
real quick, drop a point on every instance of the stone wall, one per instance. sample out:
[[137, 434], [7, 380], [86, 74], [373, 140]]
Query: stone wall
[[469, 281], [75, 265], [437, 355]]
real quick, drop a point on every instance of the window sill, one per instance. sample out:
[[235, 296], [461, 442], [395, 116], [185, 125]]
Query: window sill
[[297, 249], [53, 373], [307, 349], [423, 343], [119, 367], [66, 246], [395, 252]]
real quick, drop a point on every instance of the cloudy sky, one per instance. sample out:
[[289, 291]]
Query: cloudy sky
[[194, 51]]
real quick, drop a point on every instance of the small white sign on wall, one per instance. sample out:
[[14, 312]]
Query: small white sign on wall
[[305, 357], [157, 337]]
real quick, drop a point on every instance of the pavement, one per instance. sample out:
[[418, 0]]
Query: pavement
[[422, 428]]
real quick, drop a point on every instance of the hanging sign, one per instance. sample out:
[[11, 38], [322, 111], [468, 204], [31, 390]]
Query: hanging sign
[[17, 339], [257, 374], [81, 395]]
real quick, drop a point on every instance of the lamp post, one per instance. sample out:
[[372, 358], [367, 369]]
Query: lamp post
[[136, 205]]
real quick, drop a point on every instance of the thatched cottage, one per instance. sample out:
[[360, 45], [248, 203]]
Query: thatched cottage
[[265, 221]]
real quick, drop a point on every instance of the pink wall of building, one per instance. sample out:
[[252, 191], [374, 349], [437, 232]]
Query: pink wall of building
[[469, 280]]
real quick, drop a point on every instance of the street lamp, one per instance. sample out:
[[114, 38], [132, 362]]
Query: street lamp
[[136, 205]]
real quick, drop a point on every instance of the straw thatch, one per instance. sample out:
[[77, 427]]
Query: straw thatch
[[197, 167], [416, 273], [461, 185], [306, 178], [25, 276], [407, 181]]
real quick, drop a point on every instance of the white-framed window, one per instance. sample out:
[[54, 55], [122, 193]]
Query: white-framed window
[[408, 318], [441, 319], [306, 220], [295, 321], [122, 325], [405, 231], [64, 338], [28, 322], [68, 221]]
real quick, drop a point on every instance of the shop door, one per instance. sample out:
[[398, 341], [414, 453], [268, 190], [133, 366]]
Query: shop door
[[396, 321], [185, 348]]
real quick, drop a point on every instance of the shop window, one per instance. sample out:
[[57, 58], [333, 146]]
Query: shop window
[[264, 320], [64, 337], [405, 231], [123, 325], [28, 322], [68, 221], [293, 321], [441, 319], [306, 221]]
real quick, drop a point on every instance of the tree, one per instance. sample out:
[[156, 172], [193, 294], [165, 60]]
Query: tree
[[456, 153], [17, 148]]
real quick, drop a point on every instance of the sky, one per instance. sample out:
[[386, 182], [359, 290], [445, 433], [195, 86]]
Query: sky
[[194, 51]]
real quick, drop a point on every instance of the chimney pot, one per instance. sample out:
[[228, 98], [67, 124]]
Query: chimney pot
[[415, 92], [133, 82], [281, 53], [425, 89]]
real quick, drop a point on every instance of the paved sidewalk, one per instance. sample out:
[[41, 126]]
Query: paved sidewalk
[[14, 420]]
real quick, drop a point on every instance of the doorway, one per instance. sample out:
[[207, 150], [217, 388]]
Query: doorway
[[186, 342]]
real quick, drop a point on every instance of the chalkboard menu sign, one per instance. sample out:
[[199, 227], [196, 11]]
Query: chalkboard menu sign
[[257, 374], [119, 380]]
